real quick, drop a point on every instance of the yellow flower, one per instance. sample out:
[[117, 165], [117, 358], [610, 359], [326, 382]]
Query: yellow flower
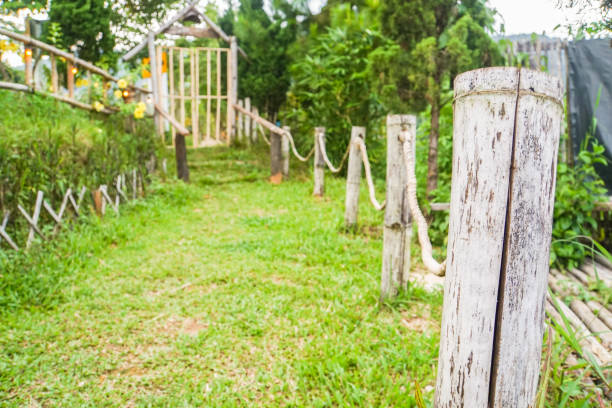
[[118, 94], [141, 106], [82, 82], [3, 45], [122, 83], [98, 106], [139, 113]]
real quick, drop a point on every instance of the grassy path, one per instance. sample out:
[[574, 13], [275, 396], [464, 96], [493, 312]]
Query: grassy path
[[227, 292]]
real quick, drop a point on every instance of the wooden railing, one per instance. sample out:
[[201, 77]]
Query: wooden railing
[[74, 65]]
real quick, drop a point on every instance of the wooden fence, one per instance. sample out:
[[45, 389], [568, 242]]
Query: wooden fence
[[34, 51]]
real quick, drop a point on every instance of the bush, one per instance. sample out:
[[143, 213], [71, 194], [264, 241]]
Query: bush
[[47, 145]]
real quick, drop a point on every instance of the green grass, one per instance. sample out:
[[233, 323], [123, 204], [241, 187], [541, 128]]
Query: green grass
[[226, 292]]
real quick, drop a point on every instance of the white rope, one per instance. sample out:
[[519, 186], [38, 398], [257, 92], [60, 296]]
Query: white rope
[[263, 133], [333, 169], [295, 152], [426, 249], [366, 165]]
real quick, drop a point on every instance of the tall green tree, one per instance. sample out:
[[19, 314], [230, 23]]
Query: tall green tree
[[437, 39], [85, 24]]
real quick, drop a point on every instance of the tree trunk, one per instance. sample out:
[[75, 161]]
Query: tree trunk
[[432, 157], [182, 169]]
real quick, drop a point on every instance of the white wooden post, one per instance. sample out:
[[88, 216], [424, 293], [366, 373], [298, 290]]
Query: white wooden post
[[154, 84], [247, 121], [254, 130], [506, 136], [240, 122], [397, 231], [284, 152], [319, 162], [233, 90], [353, 178], [276, 159]]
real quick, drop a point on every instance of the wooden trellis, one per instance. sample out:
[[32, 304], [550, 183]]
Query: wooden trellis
[[196, 81]]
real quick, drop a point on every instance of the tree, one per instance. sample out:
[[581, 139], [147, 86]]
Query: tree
[[437, 39], [86, 24]]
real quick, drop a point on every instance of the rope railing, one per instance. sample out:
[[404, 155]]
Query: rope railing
[[321, 141], [426, 249], [294, 150], [368, 173]]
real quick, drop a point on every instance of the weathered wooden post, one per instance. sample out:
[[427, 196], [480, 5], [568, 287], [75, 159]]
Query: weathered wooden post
[[154, 84], [70, 71], [27, 58], [353, 178], [319, 162], [247, 121], [285, 152], [232, 68], [397, 231], [54, 79], [254, 129], [276, 156], [506, 135], [240, 122]]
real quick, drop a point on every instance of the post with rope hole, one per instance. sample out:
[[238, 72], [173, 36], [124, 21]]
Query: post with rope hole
[[506, 130], [276, 157], [353, 178], [285, 152], [319, 162], [397, 231]]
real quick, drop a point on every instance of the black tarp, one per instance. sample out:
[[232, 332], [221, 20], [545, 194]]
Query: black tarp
[[590, 70]]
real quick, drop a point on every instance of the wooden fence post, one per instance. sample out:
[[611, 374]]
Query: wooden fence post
[[54, 79], [254, 129], [247, 121], [285, 152], [353, 178], [319, 162], [232, 96], [70, 79], [27, 58], [506, 135], [154, 85], [397, 231], [276, 156], [240, 122]]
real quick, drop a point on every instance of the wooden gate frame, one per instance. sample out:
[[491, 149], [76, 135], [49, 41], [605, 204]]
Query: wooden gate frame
[[172, 26]]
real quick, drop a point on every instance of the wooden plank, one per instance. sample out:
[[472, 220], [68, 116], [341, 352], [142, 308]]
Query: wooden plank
[[196, 32], [232, 77], [218, 102], [597, 327], [501, 206], [175, 124], [33, 220], [240, 121], [601, 312], [154, 83], [195, 102], [353, 178], [397, 230], [160, 90], [208, 92], [70, 79]]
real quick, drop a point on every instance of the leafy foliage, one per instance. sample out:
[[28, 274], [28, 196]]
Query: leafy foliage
[[46, 145]]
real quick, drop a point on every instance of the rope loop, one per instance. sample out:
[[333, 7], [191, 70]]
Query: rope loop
[[368, 172], [321, 141]]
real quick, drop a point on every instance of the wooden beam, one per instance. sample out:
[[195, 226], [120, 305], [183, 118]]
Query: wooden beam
[[175, 123], [196, 32]]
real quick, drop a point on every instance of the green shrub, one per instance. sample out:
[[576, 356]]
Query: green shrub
[[47, 145]]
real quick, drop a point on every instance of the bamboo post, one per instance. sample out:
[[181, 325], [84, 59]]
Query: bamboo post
[[194, 97], [160, 88], [54, 80], [505, 140], [208, 94], [284, 151], [70, 79], [240, 122], [218, 103], [28, 66], [276, 155], [353, 178], [397, 232], [182, 84], [319, 162], [154, 84], [232, 76], [247, 121], [171, 95]]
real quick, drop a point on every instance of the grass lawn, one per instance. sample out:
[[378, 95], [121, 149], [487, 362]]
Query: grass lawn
[[227, 292]]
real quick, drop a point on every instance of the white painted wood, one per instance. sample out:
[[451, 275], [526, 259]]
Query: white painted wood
[[319, 162], [247, 121], [153, 71], [284, 149], [232, 76], [397, 232], [254, 136], [4, 234], [33, 221], [240, 130], [353, 178], [500, 209]]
